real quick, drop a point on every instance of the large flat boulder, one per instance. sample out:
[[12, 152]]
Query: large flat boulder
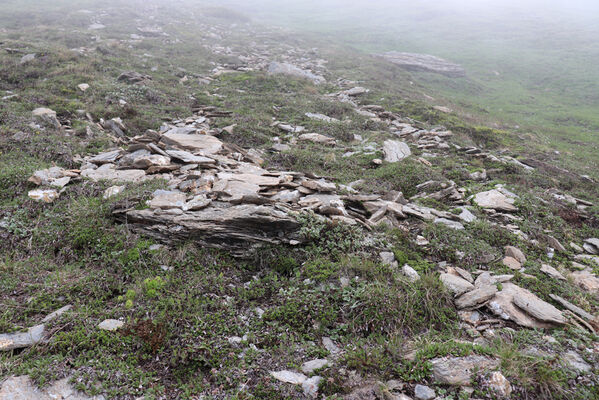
[[496, 200], [458, 370], [277, 68], [425, 63], [240, 228]]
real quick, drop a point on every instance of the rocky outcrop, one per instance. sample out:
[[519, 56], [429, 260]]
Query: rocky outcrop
[[277, 68], [425, 63]]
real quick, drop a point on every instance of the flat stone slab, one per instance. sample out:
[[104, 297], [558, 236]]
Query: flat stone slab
[[294, 378], [204, 144], [22, 388], [495, 200], [19, 340], [395, 150], [458, 370], [110, 324]]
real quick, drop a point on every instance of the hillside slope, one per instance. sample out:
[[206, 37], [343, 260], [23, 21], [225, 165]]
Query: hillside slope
[[193, 205]]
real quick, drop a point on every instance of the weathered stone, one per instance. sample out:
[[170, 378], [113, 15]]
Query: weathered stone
[[586, 280], [524, 308], [204, 144], [516, 253], [511, 263], [165, 199], [22, 388], [187, 157], [317, 138], [113, 191], [476, 297], [107, 157], [552, 272], [319, 185], [410, 273], [310, 366], [575, 309], [458, 370], [277, 68], [57, 313], [455, 284], [240, 229], [83, 87], [500, 385], [591, 246], [425, 62], [45, 195], [575, 362], [294, 378], [321, 117], [111, 324], [422, 392], [449, 223], [108, 172], [133, 77], [494, 199], [310, 386], [355, 91], [27, 58], [46, 117], [19, 340], [555, 244], [395, 150]]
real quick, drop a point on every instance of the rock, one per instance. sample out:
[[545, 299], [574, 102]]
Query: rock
[[198, 202], [458, 371], [330, 346], [277, 68], [387, 258], [133, 77], [425, 62], [514, 252], [165, 199], [57, 313], [591, 246], [45, 195], [574, 361], [422, 392], [113, 191], [356, 91], [575, 309], [552, 272], [455, 284], [310, 386], [511, 263], [289, 377], [500, 385], [109, 172], [395, 150], [476, 297], [46, 117], [106, 157], [83, 87], [449, 223], [27, 58], [22, 388], [555, 244], [111, 324], [410, 273], [116, 126], [190, 158], [54, 176], [317, 138], [466, 215], [204, 144], [321, 117], [443, 109], [19, 340], [524, 308], [576, 248], [586, 280], [496, 200], [310, 366], [319, 185], [240, 229], [96, 26]]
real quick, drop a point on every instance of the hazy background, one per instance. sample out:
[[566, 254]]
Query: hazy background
[[532, 64]]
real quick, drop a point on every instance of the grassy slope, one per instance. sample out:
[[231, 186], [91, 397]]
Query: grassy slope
[[178, 322]]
